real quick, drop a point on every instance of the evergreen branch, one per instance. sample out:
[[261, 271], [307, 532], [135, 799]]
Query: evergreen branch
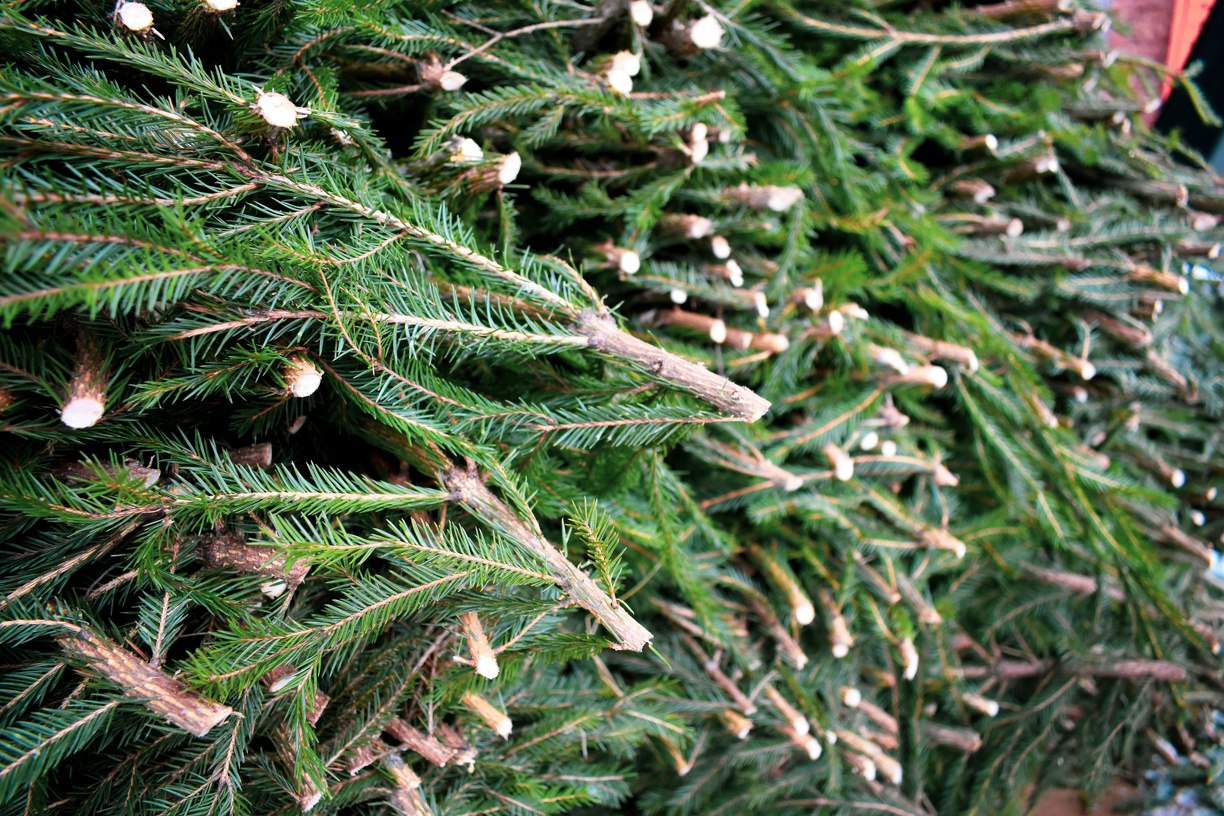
[[18, 98], [69, 565], [893, 36], [467, 488], [51, 738]]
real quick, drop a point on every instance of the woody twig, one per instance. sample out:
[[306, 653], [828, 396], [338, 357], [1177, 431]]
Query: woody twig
[[162, 694]]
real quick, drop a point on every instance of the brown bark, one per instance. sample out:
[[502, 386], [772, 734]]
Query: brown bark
[[1132, 334], [977, 189], [230, 550], [1186, 542], [452, 738], [78, 472], [1073, 582], [1121, 669], [406, 797], [497, 720], [258, 455], [719, 391], [1155, 669], [1199, 249], [997, 225], [961, 739], [362, 757], [879, 716], [421, 744], [307, 794], [160, 693], [1210, 202], [1171, 281]]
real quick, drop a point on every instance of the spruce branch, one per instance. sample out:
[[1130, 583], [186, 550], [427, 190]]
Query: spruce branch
[[466, 487]]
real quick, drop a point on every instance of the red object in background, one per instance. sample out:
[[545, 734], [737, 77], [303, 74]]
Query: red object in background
[[1188, 19], [1163, 31], [1150, 25]]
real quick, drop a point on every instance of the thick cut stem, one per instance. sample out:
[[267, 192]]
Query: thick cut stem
[[1199, 249], [1171, 281], [425, 746], [722, 334], [962, 739], [85, 401], [362, 757], [1186, 542], [1121, 669], [879, 716], [131, 469], [794, 719], [160, 693], [1155, 669], [1073, 582], [406, 797], [258, 455], [467, 488], [492, 716], [478, 644], [787, 646], [453, 739], [604, 336], [840, 639], [307, 794], [803, 741], [1128, 331], [282, 677], [1048, 351], [977, 189], [802, 609], [302, 377], [737, 724], [230, 550], [1166, 192], [927, 613]]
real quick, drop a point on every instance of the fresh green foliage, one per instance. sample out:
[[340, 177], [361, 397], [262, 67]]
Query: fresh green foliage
[[422, 337]]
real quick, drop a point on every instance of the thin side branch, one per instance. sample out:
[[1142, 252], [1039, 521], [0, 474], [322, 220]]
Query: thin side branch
[[467, 488]]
